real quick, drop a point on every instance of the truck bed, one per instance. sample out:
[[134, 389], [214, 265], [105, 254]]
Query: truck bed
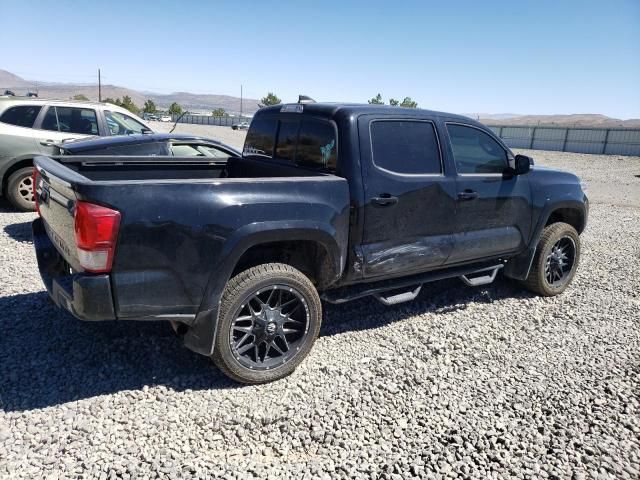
[[182, 219], [101, 168]]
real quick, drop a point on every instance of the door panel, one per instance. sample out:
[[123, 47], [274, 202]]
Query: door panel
[[408, 218], [493, 209]]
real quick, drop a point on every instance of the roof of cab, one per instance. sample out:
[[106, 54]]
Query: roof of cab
[[330, 110]]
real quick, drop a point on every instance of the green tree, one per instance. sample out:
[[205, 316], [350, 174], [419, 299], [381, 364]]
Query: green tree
[[174, 108], [129, 105], [81, 97], [377, 100], [219, 112], [149, 107], [270, 99], [393, 102], [112, 101], [408, 103]]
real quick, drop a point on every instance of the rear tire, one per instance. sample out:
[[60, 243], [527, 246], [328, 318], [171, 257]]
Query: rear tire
[[269, 319], [20, 190], [556, 260]]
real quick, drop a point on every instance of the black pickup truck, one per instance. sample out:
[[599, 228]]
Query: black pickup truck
[[327, 201]]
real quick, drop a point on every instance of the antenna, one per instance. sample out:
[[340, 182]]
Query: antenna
[[99, 87]]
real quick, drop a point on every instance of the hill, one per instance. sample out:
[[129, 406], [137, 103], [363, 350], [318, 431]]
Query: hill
[[577, 120], [189, 101]]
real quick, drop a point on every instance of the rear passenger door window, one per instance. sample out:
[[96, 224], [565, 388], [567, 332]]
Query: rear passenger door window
[[71, 120], [21, 116], [475, 151], [406, 147]]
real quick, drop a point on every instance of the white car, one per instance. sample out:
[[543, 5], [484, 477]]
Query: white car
[[240, 126], [30, 127], [165, 118]]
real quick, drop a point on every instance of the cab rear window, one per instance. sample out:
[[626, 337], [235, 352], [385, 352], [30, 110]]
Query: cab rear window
[[307, 142]]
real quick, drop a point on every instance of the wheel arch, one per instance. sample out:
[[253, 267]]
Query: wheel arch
[[572, 212], [260, 243], [13, 166]]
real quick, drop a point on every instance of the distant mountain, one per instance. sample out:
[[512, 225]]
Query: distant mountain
[[492, 116], [190, 101], [575, 120]]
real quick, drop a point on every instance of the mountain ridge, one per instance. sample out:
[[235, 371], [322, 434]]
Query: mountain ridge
[[205, 102]]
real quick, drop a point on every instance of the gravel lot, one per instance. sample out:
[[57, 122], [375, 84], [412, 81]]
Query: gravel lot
[[489, 382]]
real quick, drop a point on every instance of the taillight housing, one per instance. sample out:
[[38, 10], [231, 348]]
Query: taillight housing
[[34, 186], [96, 229]]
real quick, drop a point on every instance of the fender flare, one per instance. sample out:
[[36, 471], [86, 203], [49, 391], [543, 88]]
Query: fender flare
[[519, 266], [201, 335]]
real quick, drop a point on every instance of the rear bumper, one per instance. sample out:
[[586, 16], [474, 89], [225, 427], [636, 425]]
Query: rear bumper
[[86, 296]]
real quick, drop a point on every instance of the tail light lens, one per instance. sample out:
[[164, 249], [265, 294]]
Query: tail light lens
[[96, 229], [34, 185]]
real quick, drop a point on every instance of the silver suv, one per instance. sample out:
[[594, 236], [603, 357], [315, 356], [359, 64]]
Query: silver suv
[[31, 127]]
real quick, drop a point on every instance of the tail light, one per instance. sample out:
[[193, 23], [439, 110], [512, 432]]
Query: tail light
[[96, 229], [34, 186]]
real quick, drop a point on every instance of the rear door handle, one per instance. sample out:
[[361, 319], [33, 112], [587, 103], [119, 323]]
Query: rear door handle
[[47, 143], [468, 195], [385, 199]]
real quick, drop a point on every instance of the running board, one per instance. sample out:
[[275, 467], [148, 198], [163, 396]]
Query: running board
[[472, 275], [399, 297], [486, 276]]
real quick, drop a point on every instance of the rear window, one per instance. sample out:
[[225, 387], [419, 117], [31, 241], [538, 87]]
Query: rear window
[[260, 138], [306, 142], [317, 145], [21, 116], [407, 147]]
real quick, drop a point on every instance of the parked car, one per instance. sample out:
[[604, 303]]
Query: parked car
[[165, 118], [31, 127], [327, 201], [240, 126], [157, 144]]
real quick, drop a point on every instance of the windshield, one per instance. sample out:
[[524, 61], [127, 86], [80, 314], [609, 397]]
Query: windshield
[[121, 124]]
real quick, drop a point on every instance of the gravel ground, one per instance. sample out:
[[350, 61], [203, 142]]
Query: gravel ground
[[489, 382]]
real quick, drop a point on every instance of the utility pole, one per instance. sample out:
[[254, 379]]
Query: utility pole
[[99, 87], [241, 102]]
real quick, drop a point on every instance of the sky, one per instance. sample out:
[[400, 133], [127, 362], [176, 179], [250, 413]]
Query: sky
[[537, 57]]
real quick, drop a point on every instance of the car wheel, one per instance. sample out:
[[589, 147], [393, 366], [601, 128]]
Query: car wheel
[[269, 319], [556, 260], [20, 189]]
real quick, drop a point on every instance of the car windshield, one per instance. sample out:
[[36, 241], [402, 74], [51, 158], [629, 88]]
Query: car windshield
[[121, 124]]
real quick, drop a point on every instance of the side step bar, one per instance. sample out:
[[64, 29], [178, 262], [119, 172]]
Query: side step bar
[[470, 275]]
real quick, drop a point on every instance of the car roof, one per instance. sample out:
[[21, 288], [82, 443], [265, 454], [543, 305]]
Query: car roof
[[331, 110], [9, 101], [95, 143]]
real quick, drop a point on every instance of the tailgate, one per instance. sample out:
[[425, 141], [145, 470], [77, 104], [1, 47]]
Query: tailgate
[[56, 199]]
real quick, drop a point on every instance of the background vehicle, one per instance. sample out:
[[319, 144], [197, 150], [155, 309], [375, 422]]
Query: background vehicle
[[240, 126], [156, 144], [343, 201], [31, 127], [165, 118]]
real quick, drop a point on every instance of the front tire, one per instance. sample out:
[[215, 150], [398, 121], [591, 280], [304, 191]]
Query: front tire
[[269, 319], [20, 190], [556, 260]]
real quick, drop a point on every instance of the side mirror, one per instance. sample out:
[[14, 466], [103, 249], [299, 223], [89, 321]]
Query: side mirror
[[522, 164]]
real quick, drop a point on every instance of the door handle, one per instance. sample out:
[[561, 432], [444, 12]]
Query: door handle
[[47, 143], [385, 199], [468, 195]]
